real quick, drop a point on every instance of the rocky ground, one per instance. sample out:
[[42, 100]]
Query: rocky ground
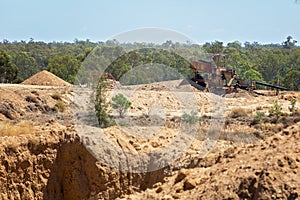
[[50, 147]]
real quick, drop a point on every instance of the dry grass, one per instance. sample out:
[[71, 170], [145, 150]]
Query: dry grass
[[56, 96], [259, 108], [21, 128], [12, 146], [31, 99], [240, 137], [238, 112], [60, 106], [34, 141]]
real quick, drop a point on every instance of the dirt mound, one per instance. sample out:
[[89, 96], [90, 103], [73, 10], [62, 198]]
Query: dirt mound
[[45, 78], [23, 102], [266, 170], [239, 93]]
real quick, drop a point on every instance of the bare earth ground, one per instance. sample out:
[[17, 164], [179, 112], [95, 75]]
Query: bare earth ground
[[50, 145]]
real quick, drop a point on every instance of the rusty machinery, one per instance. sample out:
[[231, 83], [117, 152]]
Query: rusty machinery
[[208, 74]]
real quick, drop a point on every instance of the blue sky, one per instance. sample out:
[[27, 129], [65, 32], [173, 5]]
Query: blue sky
[[264, 21]]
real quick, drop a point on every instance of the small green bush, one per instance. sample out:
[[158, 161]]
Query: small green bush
[[276, 110], [191, 118], [259, 116], [293, 108], [121, 104]]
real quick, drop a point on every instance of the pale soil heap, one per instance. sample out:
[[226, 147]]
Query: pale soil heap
[[45, 78]]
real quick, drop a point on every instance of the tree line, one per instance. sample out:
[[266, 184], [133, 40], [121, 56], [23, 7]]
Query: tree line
[[271, 63]]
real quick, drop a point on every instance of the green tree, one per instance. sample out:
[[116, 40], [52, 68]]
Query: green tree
[[101, 104], [65, 67], [235, 45], [214, 47], [240, 62], [8, 71], [121, 104], [292, 80], [253, 75], [273, 63], [26, 64], [289, 43]]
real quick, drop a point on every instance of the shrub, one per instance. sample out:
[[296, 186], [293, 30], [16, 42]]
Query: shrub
[[238, 112], [275, 110], [121, 104], [31, 99], [191, 118], [56, 96], [259, 116], [60, 105], [293, 108], [123, 123], [4, 110]]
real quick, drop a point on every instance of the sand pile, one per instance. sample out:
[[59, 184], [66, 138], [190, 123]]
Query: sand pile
[[45, 78], [165, 96]]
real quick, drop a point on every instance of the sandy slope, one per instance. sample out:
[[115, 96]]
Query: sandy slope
[[247, 160]]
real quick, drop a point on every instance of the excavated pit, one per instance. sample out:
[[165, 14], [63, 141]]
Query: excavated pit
[[60, 167], [76, 174]]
